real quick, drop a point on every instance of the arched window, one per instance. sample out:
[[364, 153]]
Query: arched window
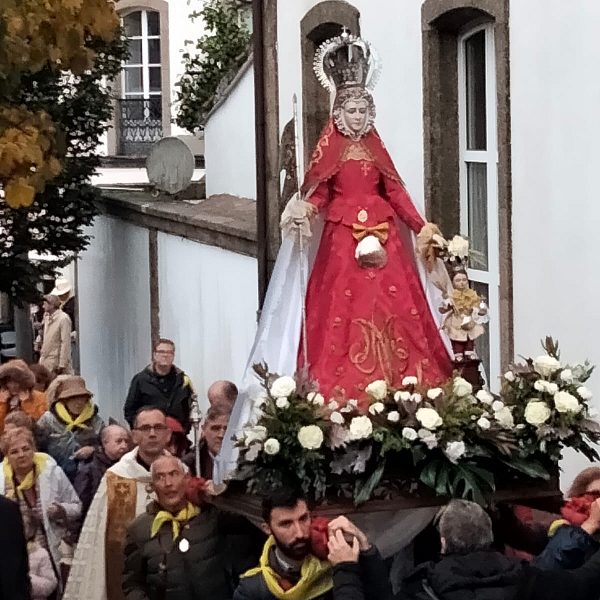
[[142, 111], [467, 150]]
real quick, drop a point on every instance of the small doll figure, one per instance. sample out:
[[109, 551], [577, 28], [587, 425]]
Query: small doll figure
[[466, 314]]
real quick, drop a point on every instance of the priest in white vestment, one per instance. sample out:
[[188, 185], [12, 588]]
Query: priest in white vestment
[[123, 495]]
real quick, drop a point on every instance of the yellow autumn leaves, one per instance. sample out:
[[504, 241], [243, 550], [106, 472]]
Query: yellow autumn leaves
[[40, 33], [27, 162]]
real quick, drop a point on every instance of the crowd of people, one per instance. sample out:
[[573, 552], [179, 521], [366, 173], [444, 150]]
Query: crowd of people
[[117, 510]]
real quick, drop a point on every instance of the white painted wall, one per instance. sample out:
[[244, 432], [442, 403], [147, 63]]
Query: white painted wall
[[555, 157], [208, 303], [230, 143], [398, 96], [114, 311]]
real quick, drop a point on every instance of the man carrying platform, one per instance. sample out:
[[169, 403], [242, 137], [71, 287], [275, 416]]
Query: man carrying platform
[[289, 567]]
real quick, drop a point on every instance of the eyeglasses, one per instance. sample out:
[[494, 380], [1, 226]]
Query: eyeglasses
[[165, 352], [149, 428]]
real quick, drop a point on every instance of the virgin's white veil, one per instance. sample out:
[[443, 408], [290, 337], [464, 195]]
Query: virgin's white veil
[[279, 329]]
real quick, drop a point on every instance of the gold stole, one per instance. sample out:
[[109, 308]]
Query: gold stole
[[121, 507]]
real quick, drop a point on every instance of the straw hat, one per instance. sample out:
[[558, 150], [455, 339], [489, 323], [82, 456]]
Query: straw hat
[[72, 387], [61, 287]]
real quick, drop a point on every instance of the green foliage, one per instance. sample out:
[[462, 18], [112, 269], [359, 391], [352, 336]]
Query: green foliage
[[223, 49], [54, 224]]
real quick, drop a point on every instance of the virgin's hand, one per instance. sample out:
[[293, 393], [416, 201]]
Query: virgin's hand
[[340, 551]]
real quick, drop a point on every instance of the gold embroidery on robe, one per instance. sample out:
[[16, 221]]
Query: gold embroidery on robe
[[379, 348], [357, 151], [121, 507]]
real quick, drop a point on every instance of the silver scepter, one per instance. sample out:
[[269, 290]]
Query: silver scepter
[[196, 419], [300, 236]]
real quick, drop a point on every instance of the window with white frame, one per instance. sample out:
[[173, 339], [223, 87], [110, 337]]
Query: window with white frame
[[141, 102], [478, 153]]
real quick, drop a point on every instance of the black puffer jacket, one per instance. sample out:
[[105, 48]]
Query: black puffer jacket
[[146, 390], [89, 476], [156, 568]]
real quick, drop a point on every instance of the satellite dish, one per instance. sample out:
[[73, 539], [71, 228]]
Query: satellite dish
[[170, 165]]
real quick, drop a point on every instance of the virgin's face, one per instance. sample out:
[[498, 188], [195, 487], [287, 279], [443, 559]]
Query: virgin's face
[[355, 114], [461, 282]]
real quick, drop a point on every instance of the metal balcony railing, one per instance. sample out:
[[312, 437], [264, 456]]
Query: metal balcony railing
[[140, 125]]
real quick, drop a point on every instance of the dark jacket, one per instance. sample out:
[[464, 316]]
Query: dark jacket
[[489, 575], [371, 573], [14, 574], [145, 390], [61, 444], [570, 547], [88, 478], [156, 569]]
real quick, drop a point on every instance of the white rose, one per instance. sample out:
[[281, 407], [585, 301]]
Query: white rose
[[566, 375], [509, 376], [552, 388], [410, 381], [584, 393], [283, 387], [271, 446], [416, 398], [252, 452], [545, 365], [434, 393], [316, 399], [429, 418], [408, 433], [360, 428], [505, 418], [537, 412], [346, 409], [459, 246], [393, 416], [282, 402], [332, 405], [485, 397], [497, 405], [377, 389], [428, 438], [376, 408], [258, 433], [540, 385], [352, 404], [454, 451], [484, 423], [404, 396], [565, 402], [462, 387], [336, 417], [310, 437]]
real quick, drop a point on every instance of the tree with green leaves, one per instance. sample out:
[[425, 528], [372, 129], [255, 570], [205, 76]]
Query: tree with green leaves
[[56, 57], [222, 50]]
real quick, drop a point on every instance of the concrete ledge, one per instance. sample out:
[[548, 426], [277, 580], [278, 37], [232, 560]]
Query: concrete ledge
[[224, 221]]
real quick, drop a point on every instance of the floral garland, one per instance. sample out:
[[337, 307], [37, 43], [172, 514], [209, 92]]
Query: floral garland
[[449, 438]]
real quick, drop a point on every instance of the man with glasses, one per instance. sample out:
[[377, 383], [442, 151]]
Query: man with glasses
[[162, 385], [123, 495]]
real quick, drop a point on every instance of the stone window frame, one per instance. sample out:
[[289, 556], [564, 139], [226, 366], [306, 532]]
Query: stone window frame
[[126, 7], [442, 23], [322, 22]]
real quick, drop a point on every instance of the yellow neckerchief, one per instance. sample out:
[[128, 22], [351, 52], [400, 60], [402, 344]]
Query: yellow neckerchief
[[163, 516], [39, 463], [465, 300], [86, 414], [315, 579]]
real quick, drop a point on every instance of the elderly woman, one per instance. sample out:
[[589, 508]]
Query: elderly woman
[[70, 429], [44, 494], [18, 393]]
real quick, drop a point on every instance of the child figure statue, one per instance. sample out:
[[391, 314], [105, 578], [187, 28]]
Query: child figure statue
[[466, 314]]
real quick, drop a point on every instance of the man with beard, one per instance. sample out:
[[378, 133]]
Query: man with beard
[[289, 569]]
